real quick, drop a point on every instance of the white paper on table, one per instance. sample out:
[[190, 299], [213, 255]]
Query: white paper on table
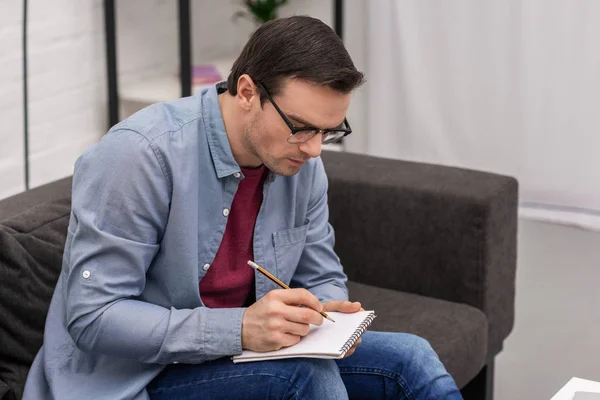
[[576, 385]]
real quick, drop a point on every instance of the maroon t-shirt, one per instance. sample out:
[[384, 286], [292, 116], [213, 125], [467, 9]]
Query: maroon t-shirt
[[229, 281]]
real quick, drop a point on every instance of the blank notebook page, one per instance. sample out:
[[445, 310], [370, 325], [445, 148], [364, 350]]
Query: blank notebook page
[[325, 341]]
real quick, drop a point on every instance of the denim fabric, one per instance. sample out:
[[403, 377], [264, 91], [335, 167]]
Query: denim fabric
[[384, 366]]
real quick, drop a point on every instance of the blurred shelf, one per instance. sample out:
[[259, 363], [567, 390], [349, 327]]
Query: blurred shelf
[[142, 92], [166, 88], [135, 96]]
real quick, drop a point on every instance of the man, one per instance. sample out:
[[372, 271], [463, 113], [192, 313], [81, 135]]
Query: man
[[155, 294]]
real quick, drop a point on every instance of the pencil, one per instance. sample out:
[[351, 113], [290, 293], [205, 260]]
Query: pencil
[[281, 284]]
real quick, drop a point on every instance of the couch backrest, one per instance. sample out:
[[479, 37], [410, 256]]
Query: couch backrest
[[33, 228]]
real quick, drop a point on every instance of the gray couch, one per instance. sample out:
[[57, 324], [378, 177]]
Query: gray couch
[[432, 249]]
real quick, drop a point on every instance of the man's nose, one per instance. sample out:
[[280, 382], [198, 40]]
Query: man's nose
[[312, 147]]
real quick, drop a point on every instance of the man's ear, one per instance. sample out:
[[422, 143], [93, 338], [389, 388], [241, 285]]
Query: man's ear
[[247, 92]]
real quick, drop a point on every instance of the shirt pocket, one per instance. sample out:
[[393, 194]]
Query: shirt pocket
[[289, 245]]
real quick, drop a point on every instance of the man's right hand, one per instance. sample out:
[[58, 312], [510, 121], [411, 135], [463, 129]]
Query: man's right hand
[[276, 321]]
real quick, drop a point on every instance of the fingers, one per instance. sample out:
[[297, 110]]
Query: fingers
[[276, 321], [295, 328], [298, 297], [279, 340], [342, 306], [281, 326], [290, 340], [283, 306], [302, 315]]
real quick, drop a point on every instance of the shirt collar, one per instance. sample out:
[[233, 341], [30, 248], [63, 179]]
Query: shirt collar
[[218, 142]]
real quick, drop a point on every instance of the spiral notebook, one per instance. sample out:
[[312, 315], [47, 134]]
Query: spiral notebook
[[330, 340]]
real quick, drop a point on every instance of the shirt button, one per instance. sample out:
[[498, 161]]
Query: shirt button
[[205, 267], [225, 212], [86, 274], [237, 175]]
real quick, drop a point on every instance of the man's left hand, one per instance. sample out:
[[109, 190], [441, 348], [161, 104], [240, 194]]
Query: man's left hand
[[345, 307]]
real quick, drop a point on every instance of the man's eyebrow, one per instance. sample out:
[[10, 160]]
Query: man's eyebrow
[[306, 123], [300, 120]]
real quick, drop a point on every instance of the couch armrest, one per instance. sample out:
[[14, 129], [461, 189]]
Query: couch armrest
[[428, 229]]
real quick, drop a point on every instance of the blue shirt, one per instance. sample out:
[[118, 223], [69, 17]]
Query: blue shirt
[[148, 214]]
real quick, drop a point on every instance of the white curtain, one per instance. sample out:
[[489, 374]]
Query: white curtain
[[509, 86]]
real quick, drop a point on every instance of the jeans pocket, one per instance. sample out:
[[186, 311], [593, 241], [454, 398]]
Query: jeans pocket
[[289, 245]]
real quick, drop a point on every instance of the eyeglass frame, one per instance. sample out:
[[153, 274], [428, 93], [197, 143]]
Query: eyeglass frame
[[296, 129]]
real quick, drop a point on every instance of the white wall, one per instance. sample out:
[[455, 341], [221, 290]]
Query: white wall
[[355, 40], [11, 98], [67, 70], [508, 86], [66, 91]]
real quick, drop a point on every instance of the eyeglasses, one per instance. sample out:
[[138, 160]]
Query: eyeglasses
[[305, 133]]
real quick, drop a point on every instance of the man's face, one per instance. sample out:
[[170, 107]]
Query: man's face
[[304, 104]]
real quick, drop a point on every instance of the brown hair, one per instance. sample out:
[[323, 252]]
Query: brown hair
[[298, 47]]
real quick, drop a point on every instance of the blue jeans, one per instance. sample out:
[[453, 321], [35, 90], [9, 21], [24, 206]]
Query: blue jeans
[[384, 366]]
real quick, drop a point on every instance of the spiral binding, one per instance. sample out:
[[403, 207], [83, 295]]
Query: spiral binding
[[357, 333]]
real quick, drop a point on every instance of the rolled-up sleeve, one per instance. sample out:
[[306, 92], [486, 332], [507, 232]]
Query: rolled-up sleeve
[[120, 207], [319, 269]]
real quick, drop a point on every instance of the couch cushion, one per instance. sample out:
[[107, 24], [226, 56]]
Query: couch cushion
[[457, 332], [31, 248], [42, 194]]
